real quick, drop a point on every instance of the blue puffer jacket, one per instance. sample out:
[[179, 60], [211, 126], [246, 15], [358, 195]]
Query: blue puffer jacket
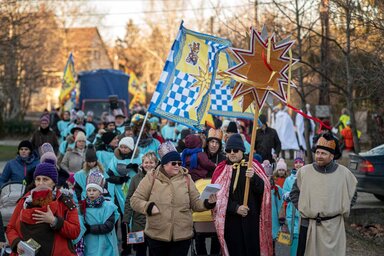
[[17, 169]]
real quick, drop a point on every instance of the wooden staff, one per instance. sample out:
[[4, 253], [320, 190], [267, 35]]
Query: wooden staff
[[250, 160]]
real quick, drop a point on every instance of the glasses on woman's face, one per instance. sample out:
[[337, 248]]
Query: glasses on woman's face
[[232, 150], [176, 163]]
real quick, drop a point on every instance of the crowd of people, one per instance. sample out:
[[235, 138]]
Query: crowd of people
[[94, 187]]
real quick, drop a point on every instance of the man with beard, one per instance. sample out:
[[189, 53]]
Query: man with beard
[[242, 228], [323, 193]]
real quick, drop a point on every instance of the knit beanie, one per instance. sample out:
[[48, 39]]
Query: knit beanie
[[263, 119], [48, 157], [184, 133], [127, 141], [80, 136], [267, 167], [107, 137], [232, 127], [46, 169], [44, 118], [281, 164], [90, 154], [46, 147], [80, 114], [235, 142], [25, 144], [300, 155], [168, 153]]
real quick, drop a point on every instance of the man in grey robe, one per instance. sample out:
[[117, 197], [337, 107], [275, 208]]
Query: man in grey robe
[[323, 193]]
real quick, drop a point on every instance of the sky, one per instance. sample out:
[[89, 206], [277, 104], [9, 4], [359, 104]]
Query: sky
[[118, 13]]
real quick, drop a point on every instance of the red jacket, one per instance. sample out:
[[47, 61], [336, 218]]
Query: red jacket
[[67, 227], [348, 137]]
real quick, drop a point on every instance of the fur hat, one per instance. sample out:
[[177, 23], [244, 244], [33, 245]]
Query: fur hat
[[80, 136], [281, 164], [90, 153], [232, 127], [46, 169], [168, 152], [96, 180], [25, 144], [127, 141], [235, 141]]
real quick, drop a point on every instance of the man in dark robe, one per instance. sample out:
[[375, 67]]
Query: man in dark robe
[[242, 229]]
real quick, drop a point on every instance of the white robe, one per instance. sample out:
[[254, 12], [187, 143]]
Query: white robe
[[299, 121], [327, 194], [283, 125]]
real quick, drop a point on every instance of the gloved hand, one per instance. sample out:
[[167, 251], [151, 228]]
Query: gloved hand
[[124, 179], [286, 197]]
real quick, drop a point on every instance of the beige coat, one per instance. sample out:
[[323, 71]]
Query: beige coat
[[329, 194], [175, 197]]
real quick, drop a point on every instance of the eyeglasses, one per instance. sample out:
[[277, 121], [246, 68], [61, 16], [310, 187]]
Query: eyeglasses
[[232, 150], [176, 163]]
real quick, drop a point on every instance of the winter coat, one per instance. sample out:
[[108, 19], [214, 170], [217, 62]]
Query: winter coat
[[54, 241], [266, 141], [121, 169], [40, 137], [18, 169], [138, 219], [205, 167], [73, 160], [175, 197]]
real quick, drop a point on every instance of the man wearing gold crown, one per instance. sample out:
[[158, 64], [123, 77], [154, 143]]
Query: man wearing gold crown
[[323, 193], [242, 229]]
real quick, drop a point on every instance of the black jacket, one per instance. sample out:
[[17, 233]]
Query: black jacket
[[266, 141]]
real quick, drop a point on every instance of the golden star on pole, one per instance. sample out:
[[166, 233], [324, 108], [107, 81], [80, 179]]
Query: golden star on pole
[[261, 69]]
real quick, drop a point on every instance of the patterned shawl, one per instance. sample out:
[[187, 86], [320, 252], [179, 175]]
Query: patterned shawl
[[222, 175]]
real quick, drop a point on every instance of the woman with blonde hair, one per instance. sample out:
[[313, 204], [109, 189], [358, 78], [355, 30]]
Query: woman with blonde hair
[[149, 163]]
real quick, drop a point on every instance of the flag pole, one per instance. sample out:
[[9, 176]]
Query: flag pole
[[138, 139], [250, 160]]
